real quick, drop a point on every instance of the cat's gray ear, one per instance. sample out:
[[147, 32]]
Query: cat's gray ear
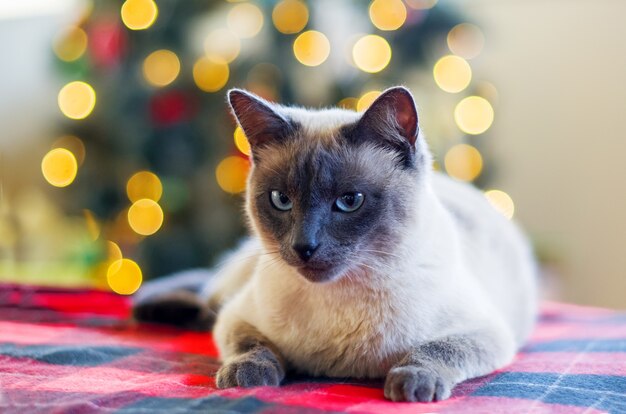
[[260, 122]]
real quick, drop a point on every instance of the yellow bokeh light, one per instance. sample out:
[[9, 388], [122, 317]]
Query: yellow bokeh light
[[161, 67], [77, 99], [473, 115], [144, 184], [93, 227], [348, 103], [124, 276], [139, 14], [210, 74], [114, 253], [311, 48], [232, 173], [223, 45], [241, 142], [145, 217], [74, 145], [466, 40], [70, 44], [387, 14], [371, 53], [463, 162], [290, 16], [421, 4], [452, 73], [366, 100], [59, 167], [245, 20], [502, 202]]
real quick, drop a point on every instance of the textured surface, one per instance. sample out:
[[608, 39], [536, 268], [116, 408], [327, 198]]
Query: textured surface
[[65, 351]]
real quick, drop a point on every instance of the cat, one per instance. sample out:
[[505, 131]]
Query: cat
[[363, 262]]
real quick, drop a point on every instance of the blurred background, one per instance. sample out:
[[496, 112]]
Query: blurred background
[[119, 161]]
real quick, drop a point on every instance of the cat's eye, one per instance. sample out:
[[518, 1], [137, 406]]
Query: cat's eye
[[280, 201], [350, 202]]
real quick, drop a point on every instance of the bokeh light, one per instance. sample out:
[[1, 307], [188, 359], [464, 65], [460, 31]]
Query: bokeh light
[[77, 99], [74, 145], [139, 14], [232, 173], [241, 142], [366, 100], [124, 276], [502, 202], [93, 227], [452, 73], [145, 217], [387, 14], [245, 20], [222, 44], [473, 115], [59, 167], [210, 74], [421, 4], [114, 253], [466, 40], [290, 16], [311, 48], [463, 162], [70, 44], [161, 67], [371, 53], [144, 184], [348, 103]]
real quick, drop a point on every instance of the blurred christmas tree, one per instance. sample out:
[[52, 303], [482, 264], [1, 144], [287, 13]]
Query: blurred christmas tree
[[159, 163]]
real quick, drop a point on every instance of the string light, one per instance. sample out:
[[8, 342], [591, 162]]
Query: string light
[[161, 67], [371, 53], [210, 74], [452, 73], [241, 142], [231, 174], [74, 145], [139, 14], [144, 184], [366, 100], [502, 202], [77, 99], [290, 16], [70, 44], [245, 20], [124, 276], [463, 162], [59, 167], [473, 115], [311, 48], [387, 14], [145, 217], [223, 44], [466, 40]]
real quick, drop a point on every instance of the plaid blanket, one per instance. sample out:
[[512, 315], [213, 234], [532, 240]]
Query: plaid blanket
[[77, 352]]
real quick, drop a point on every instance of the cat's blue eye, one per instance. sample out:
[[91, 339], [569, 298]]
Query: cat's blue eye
[[280, 201], [350, 202]]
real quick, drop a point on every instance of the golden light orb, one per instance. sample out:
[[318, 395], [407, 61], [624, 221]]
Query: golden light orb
[[232, 173], [452, 73], [144, 184], [473, 115], [59, 167], [145, 217], [210, 74], [421, 4], [466, 40], [366, 100], [124, 276], [348, 103], [70, 44], [113, 251], [222, 44], [371, 53], [290, 16], [76, 100], [139, 14], [245, 20], [311, 48], [502, 202], [463, 162], [74, 145], [161, 67], [241, 142], [387, 14]]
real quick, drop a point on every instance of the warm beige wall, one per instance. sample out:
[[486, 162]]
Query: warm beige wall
[[560, 134]]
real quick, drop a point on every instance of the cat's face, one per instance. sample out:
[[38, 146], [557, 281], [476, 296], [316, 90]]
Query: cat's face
[[327, 192]]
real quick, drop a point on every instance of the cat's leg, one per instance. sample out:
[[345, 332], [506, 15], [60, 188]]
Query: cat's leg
[[432, 369], [253, 360]]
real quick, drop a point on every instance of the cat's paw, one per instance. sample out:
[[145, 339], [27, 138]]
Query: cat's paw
[[251, 369], [411, 383]]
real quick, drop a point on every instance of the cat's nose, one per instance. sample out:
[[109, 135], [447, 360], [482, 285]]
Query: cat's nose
[[305, 250]]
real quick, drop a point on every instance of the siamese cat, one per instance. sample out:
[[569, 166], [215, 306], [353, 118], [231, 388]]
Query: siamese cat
[[363, 262]]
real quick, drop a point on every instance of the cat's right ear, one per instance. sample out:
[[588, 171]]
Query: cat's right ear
[[259, 121]]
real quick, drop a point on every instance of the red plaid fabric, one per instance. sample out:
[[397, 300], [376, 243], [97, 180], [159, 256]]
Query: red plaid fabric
[[76, 352]]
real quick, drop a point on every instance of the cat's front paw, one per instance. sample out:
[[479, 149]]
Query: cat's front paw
[[252, 369], [411, 383]]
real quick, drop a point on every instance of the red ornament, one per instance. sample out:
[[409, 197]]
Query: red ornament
[[107, 43]]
